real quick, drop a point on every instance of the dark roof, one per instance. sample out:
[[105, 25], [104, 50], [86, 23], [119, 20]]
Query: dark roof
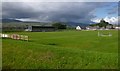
[[43, 26]]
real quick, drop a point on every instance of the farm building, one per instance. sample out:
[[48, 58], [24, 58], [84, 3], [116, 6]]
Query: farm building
[[40, 28], [78, 28], [118, 28], [92, 28]]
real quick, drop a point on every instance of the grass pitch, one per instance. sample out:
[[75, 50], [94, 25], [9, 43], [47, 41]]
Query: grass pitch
[[61, 50]]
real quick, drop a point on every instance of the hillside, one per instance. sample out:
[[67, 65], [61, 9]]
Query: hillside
[[13, 22]]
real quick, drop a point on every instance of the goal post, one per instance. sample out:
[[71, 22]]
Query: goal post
[[104, 34]]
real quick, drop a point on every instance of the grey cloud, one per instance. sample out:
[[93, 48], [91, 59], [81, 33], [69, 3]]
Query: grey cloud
[[59, 11], [17, 10]]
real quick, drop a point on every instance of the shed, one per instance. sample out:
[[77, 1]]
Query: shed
[[41, 28]]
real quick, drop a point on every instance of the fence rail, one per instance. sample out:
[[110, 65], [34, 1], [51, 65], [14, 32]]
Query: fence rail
[[15, 36]]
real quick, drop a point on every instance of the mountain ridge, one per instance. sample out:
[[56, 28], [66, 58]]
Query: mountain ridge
[[73, 24]]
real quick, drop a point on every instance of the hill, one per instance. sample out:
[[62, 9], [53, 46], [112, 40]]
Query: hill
[[10, 20], [14, 22]]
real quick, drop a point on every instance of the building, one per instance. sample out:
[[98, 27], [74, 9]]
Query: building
[[109, 27], [40, 28], [117, 28], [78, 28], [92, 27]]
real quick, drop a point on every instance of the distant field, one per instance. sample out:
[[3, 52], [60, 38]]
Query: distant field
[[62, 50]]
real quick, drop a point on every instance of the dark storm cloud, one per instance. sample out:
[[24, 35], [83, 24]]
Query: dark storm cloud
[[17, 10], [59, 11]]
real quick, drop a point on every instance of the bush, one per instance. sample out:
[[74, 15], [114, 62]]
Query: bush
[[59, 25]]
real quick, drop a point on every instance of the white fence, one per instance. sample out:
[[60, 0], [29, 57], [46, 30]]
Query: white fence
[[15, 36]]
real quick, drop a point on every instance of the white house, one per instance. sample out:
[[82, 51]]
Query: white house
[[78, 28], [118, 28]]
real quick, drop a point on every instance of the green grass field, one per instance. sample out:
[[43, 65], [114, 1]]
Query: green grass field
[[61, 50]]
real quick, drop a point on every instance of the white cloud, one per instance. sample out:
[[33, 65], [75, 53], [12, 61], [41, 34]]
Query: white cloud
[[27, 19], [111, 20], [33, 19], [96, 20]]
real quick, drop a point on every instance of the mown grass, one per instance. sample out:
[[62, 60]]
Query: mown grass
[[62, 50]]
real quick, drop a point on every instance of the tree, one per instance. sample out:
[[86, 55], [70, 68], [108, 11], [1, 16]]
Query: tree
[[59, 25], [102, 23]]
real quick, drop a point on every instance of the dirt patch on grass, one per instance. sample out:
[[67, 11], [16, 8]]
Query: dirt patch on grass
[[52, 44]]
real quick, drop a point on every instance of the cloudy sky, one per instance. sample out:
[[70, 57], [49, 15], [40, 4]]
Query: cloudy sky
[[80, 12]]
